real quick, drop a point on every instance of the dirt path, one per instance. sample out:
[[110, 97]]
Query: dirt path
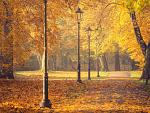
[[118, 96]]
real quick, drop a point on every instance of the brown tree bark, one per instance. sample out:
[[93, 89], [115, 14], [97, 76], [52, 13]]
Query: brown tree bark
[[117, 59], [103, 63], [145, 48], [1, 61], [7, 47], [146, 69], [138, 33]]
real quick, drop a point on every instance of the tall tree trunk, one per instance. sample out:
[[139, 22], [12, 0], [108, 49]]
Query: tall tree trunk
[[1, 61], [54, 62], [7, 46], [39, 58], [42, 63], [103, 63], [58, 61], [146, 69], [138, 33], [97, 66], [117, 59], [145, 48]]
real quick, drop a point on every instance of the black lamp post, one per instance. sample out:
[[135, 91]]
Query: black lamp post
[[89, 52], [45, 101], [1, 58], [79, 13]]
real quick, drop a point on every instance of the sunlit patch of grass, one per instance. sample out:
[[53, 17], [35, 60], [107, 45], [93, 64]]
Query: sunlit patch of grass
[[28, 73], [65, 75], [72, 75], [136, 74]]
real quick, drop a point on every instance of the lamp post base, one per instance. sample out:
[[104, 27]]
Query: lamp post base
[[89, 75], [46, 103], [98, 74], [89, 78], [79, 81]]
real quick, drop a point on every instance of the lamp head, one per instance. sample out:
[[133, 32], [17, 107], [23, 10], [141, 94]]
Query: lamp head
[[45, 1], [79, 13], [89, 29]]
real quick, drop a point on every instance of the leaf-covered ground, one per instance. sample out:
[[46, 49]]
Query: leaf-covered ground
[[97, 96]]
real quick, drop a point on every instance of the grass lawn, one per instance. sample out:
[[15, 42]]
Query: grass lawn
[[71, 75]]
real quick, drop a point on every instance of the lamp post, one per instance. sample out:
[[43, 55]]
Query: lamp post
[[1, 59], [97, 60], [45, 101], [79, 13], [89, 52]]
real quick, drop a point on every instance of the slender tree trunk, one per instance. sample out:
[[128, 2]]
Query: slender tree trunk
[[145, 48], [7, 46], [39, 58], [54, 62], [72, 65], [103, 62], [58, 61], [42, 63], [97, 66], [1, 61], [117, 60], [146, 69]]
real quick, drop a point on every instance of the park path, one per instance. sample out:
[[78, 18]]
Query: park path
[[98, 96]]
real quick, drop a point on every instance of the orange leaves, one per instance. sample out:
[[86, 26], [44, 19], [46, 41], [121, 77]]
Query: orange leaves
[[68, 96], [27, 25], [113, 22]]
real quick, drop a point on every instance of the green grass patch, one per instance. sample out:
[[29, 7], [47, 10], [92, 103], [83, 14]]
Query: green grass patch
[[71, 75]]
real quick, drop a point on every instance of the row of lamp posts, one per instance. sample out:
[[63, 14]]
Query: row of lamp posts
[[89, 30], [45, 101]]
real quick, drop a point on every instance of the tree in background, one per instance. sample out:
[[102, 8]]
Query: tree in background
[[110, 20], [22, 21], [145, 48], [7, 40]]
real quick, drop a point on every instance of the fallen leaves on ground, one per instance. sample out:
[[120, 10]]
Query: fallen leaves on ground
[[109, 95]]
